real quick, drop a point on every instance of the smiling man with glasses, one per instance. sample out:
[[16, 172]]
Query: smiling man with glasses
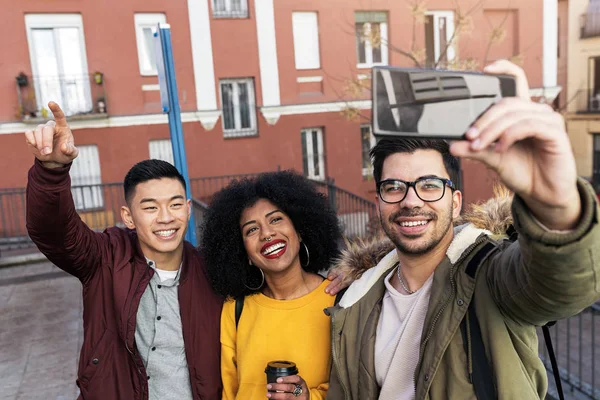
[[410, 327]]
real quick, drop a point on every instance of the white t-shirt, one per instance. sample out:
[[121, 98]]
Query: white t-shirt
[[165, 275], [399, 338]]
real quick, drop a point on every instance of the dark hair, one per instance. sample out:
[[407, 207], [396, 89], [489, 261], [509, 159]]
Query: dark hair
[[388, 146], [147, 170], [222, 242]]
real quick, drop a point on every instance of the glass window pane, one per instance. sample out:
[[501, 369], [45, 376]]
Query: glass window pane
[[220, 5], [149, 59], [46, 60], [244, 105], [304, 153], [365, 134], [375, 37], [236, 5], [315, 152], [162, 150], [360, 43], [228, 111], [74, 80]]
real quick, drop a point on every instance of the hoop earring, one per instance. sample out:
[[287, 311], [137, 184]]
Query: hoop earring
[[261, 283], [307, 254]]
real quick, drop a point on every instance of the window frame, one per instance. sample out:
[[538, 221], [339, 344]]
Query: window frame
[[238, 131], [160, 145], [309, 156], [449, 15], [90, 186], [228, 13], [35, 21], [383, 31], [141, 21]]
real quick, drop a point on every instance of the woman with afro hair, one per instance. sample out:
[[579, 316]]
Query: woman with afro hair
[[264, 240]]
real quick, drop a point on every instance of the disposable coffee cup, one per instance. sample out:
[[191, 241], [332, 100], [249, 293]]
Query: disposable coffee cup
[[278, 369]]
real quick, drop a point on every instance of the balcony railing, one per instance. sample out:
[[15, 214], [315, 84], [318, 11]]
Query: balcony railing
[[78, 95], [590, 25], [586, 101]]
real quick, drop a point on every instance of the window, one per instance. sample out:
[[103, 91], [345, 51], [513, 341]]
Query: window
[[439, 31], [306, 40], [594, 84], [371, 38], [86, 179], [145, 27], [59, 62], [230, 8], [162, 150], [239, 113], [596, 161], [313, 157], [368, 141]]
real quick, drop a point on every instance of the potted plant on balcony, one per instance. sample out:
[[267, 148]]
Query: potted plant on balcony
[[101, 105], [98, 77], [28, 108], [22, 80]]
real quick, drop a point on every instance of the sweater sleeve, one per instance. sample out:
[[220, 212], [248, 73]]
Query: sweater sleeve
[[55, 227], [320, 392], [229, 373]]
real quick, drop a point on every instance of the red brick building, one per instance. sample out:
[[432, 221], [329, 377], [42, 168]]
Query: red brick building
[[262, 83]]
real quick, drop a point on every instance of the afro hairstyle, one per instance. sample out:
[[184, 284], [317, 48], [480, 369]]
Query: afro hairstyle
[[222, 243]]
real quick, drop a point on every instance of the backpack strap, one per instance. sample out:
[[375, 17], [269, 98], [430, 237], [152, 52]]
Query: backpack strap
[[480, 372], [239, 306], [555, 371], [481, 376]]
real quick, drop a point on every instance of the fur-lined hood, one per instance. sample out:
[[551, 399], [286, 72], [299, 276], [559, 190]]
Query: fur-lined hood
[[356, 262]]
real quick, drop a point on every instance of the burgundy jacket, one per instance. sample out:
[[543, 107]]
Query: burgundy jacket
[[114, 274]]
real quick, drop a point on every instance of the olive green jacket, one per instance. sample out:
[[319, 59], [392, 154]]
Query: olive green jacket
[[542, 277]]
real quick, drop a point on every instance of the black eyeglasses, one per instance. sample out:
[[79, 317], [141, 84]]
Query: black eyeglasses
[[428, 189]]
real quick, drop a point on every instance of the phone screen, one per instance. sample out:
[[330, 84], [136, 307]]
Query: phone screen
[[433, 103]]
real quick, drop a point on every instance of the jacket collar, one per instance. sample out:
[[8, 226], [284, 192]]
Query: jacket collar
[[140, 259], [464, 236]]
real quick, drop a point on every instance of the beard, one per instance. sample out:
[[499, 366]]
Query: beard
[[420, 244]]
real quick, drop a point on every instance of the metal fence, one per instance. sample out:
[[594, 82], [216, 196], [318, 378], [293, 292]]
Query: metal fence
[[99, 207], [575, 346]]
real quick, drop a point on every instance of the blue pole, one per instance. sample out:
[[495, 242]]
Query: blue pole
[[174, 112]]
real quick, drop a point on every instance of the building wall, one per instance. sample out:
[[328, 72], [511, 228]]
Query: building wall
[[563, 52], [110, 43], [111, 49], [580, 126]]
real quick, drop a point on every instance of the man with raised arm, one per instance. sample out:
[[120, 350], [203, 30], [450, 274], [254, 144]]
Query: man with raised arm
[[150, 318], [451, 312]]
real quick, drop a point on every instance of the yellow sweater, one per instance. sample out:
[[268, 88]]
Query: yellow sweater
[[293, 330]]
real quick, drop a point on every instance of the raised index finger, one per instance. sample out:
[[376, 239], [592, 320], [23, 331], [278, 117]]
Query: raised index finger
[[59, 115]]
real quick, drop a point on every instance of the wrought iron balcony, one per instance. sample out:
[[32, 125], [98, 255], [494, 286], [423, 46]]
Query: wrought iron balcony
[[78, 95]]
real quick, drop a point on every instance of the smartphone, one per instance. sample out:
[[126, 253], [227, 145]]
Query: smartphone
[[409, 102]]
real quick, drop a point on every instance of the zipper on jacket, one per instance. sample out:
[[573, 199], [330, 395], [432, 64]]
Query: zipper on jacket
[[144, 385], [334, 334], [464, 255]]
